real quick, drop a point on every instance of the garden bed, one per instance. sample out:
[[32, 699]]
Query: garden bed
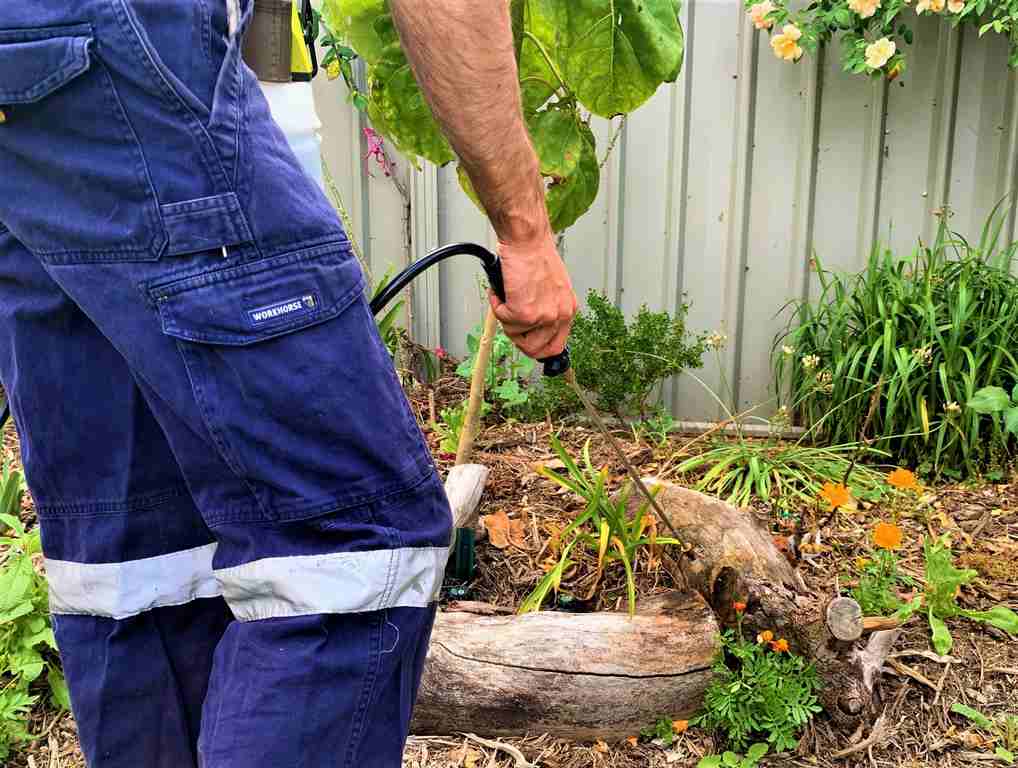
[[919, 688]]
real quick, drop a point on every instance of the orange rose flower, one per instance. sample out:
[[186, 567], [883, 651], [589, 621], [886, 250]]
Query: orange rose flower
[[835, 494], [887, 536], [680, 726], [780, 646], [765, 637], [739, 607], [902, 478]]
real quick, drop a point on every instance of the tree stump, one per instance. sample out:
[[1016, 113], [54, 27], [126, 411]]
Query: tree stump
[[732, 558]]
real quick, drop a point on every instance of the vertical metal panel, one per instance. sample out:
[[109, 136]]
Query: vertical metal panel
[[724, 185]]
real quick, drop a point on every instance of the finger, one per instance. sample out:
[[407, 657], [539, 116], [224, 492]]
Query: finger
[[536, 340], [556, 343]]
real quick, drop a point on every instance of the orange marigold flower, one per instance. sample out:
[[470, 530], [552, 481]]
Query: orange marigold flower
[[902, 478], [887, 536], [780, 645], [765, 637], [680, 726], [739, 606], [835, 494], [631, 741]]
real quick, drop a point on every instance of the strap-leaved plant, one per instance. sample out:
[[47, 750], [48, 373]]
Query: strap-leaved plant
[[601, 57]]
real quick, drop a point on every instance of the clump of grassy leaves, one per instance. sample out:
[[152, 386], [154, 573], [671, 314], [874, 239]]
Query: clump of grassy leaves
[[27, 646], [926, 332], [605, 526]]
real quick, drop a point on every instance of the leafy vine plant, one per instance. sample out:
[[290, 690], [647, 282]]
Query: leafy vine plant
[[576, 60], [873, 32]]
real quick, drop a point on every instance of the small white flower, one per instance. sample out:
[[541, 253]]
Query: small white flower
[[787, 351], [952, 407], [923, 355], [717, 340], [809, 362]]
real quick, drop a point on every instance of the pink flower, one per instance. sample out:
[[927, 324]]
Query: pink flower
[[376, 150], [440, 353]]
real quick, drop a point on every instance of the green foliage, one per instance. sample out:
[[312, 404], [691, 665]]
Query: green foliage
[[604, 526], [656, 427], [757, 691], [770, 469], [1003, 728], [822, 20], [877, 581], [734, 760], [450, 427], [508, 370], [662, 729], [940, 600], [923, 335], [602, 57], [387, 327], [994, 400], [27, 647], [622, 363]]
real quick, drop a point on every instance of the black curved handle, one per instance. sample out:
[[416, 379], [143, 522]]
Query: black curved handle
[[553, 366]]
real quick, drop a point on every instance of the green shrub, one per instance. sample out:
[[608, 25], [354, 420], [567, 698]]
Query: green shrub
[[622, 363], [27, 647], [920, 334], [759, 690]]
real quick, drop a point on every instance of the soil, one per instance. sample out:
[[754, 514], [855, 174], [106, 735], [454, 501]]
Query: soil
[[920, 730]]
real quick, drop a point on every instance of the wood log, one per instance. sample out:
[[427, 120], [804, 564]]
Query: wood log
[[575, 676], [729, 557]]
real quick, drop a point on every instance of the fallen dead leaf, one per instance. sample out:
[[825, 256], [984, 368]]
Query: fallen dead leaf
[[600, 746]]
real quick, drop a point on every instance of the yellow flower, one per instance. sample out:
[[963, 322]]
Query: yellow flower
[[903, 479], [865, 8], [758, 13], [680, 726], [936, 6], [765, 637], [956, 6], [835, 494], [333, 69], [887, 536], [878, 53], [786, 44], [861, 562]]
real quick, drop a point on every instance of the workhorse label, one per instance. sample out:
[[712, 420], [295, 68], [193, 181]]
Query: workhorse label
[[299, 305]]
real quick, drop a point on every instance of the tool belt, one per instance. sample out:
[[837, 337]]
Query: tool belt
[[279, 44]]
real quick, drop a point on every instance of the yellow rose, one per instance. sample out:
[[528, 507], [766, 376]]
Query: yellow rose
[[758, 13], [865, 8], [879, 53], [956, 6], [786, 44], [936, 6]]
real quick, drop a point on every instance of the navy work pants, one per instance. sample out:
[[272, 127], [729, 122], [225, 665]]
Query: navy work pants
[[243, 527]]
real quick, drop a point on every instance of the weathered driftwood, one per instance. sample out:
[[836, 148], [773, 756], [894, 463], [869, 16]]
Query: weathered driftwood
[[732, 558], [576, 676]]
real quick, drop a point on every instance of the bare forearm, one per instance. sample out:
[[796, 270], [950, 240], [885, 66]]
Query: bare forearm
[[462, 54]]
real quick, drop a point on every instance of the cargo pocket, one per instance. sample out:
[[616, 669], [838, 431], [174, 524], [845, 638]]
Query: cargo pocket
[[84, 193], [294, 382]]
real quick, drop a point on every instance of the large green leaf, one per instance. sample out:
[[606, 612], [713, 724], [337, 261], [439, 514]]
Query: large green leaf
[[989, 400], [399, 111], [1000, 617], [943, 579], [566, 148], [613, 54], [354, 21]]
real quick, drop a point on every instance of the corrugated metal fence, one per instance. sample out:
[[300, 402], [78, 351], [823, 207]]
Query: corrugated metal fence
[[723, 185]]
